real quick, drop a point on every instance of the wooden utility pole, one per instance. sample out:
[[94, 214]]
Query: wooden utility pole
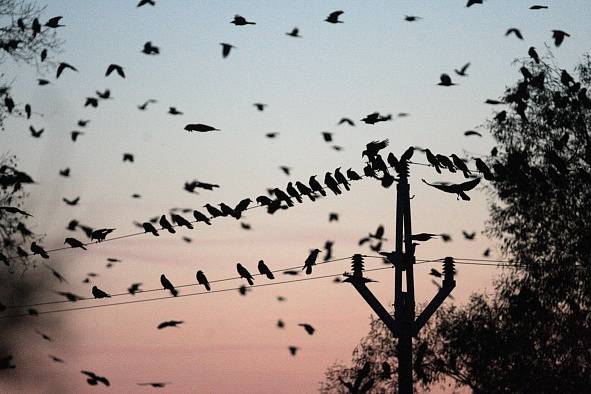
[[404, 325]]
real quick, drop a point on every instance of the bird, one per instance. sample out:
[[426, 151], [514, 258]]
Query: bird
[[241, 21], [104, 95], [469, 133], [332, 184], [327, 136], [533, 54], [168, 286], [65, 172], [346, 120], [150, 49], [144, 2], [71, 202], [538, 7], [149, 228], [291, 190], [484, 170], [91, 101], [310, 261], [260, 106], [282, 196], [264, 270], [56, 359], [514, 31], [294, 33], [373, 148], [462, 71], [36, 133], [200, 217], [379, 235], [74, 135], [309, 329], [144, 106], [469, 236], [486, 252], [54, 22], [333, 17], [412, 18], [558, 36], [70, 296], [202, 280], [458, 189], [155, 384], [375, 117], [62, 66], [181, 221], [94, 379], [470, 3], [174, 111], [340, 178], [166, 225], [243, 290], [271, 135], [328, 248], [333, 217], [74, 243], [170, 323], [422, 237], [98, 293], [243, 272], [280, 324], [316, 186], [44, 336], [286, 170], [227, 210], [460, 165], [36, 249], [352, 175], [115, 67], [226, 48], [445, 80], [28, 110], [293, 350], [213, 211], [202, 128], [43, 55], [134, 288], [435, 273], [305, 190], [42, 82]]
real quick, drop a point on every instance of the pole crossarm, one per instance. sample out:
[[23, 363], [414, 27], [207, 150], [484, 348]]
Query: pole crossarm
[[375, 305], [432, 307]]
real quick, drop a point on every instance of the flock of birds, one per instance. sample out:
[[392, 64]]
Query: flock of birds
[[387, 171]]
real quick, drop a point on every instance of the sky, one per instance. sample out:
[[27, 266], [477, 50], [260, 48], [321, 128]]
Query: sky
[[374, 61]]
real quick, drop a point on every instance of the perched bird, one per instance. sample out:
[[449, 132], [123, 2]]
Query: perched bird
[[309, 329], [200, 217], [271, 135], [445, 162], [462, 71], [332, 184], [558, 36], [170, 323], [74, 243], [305, 190], [181, 221], [310, 261], [36, 249], [150, 49], [282, 196], [149, 228], [117, 68], [340, 178], [458, 189], [352, 175], [202, 280], [486, 252], [264, 270], [226, 48], [445, 80], [291, 190], [168, 286], [243, 272], [213, 211], [134, 288], [94, 379], [484, 170], [333, 17], [98, 293], [226, 210], [460, 165], [294, 33], [62, 66], [514, 31], [44, 336], [316, 186], [533, 54], [241, 21], [165, 224], [202, 128]]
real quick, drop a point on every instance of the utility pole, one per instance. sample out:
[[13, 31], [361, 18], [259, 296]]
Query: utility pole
[[404, 325]]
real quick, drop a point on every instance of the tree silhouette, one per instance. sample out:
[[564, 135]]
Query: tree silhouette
[[533, 334]]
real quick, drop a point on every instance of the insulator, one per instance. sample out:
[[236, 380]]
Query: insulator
[[449, 268], [358, 265]]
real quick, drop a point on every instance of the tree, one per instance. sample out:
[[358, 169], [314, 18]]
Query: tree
[[533, 334], [18, 43]]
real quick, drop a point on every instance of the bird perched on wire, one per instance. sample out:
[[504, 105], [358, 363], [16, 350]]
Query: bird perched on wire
[[310, 261], [243, 272], [202, 280], [460, 165], [264, 270], [181, 221], [134, 288], [149, 228], [74, 243], [372, 148], [98, 293], [166, 224], [166, 284]]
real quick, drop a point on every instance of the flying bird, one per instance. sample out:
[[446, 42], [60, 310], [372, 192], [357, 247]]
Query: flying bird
[[155, 384], [264, 270], [445, 80], [74, 135], [144, 106], [514, 31], [458, 189], [260, 106], [241, 21], [174, 111], [202, 280], [71, 202], [134, 288], [469, 133], [70, 296], [104, 95], [65, 172], [333, 17], [226, 48], [91, 101], [62, 66], [412, 18], [117, 68], [170, 323], [56, 359], [310, 261], [538, 7], [470, 3], [293, 350], [150, 49], [94, 379], [144, 2], [168, 286], [346, 120], [243, 272], [202, 128], [309, 329], [462, 71], [294, 33], [469, 236], [558, 36]]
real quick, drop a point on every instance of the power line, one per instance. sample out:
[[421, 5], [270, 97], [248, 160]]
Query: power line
[[183, 295]]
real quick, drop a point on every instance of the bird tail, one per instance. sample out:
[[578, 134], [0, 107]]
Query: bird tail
[[270, 275], [174, 292], [207, 286], [308, 269], [299, 198], [250, 282]]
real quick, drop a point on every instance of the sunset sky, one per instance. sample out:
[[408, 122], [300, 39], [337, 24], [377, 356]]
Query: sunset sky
[[374, 61]]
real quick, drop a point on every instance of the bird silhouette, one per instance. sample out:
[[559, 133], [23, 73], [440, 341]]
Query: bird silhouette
[[36, 249], [469, 133], [486, 252], [28, 110], [435, 273], [372, 148], [181, 221], [42, 82], [213, 211], [264, 270], [226, 48], [150, 49], [36, 133], [460, 165], [458, 189], [202, 280], [44, 336], [340, 178], [56, 359], [282, 196], [104, 95], [514, 31], [412, 18], [115, 67], [332, 184], [484, 170], [91, 101], [462, 71], [202, 128], [243, 272], [291, 190], [165, 224], [333, 17], [260, 106], [333, 217], [305, 190], [293, 350], [470, 3], [538, 7], [98, 293], [309, 329], [469, 236], [168, 286], [144, 2], [100, 234], [149, 228], [74, 135], [155, 384], [200, 217], [74, 243], [328, 250], [174, 111], [445, 162], [294, 33], [422, 237], [134, 288], [69, 296], [310, 261], [65, 172], [241, 21], [445, 80], [94, 379], [62, 66], [346, 120], [533, 54], [352, 175], [271, 135], [170, 323], [226, 210], [375, 117], [280, 324], [558, 36], [144, 106], [243, 290]]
